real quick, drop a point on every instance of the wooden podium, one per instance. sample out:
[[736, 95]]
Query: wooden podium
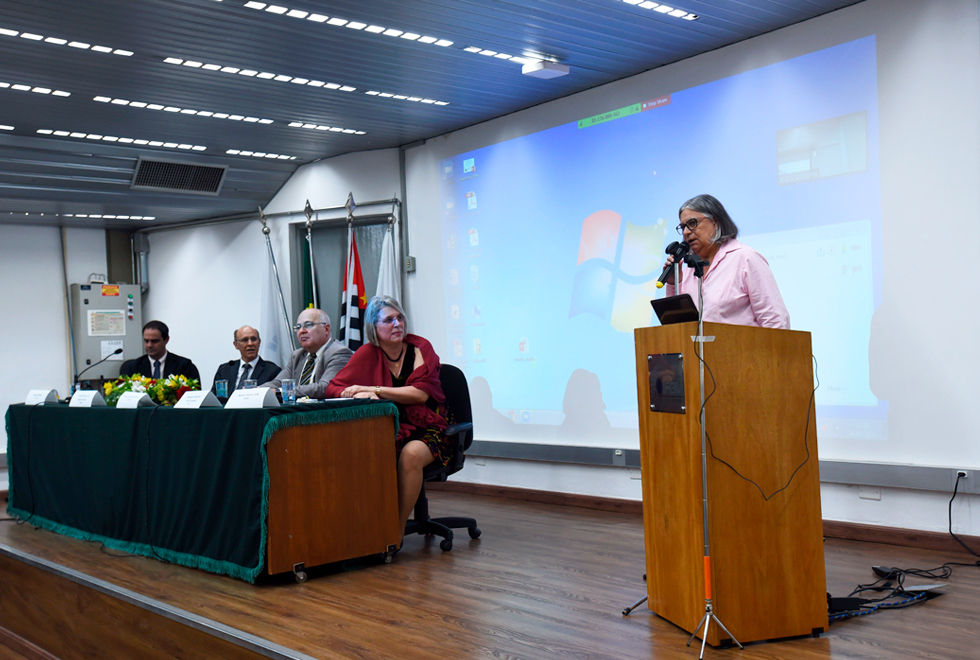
[[767, 561]]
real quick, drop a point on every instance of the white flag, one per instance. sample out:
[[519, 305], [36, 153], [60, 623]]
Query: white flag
[[276, 346], [389, 284]]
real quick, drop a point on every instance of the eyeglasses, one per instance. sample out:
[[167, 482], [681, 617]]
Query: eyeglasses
[[391, 320], [306, 326], [691, 224]]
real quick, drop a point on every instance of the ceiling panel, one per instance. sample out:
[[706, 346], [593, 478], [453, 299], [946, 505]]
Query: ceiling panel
[[63, 176]]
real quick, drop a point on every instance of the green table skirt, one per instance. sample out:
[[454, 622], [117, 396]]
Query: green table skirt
[[186, 486]]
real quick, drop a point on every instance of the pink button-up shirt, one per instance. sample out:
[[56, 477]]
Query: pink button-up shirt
[[739, 288]]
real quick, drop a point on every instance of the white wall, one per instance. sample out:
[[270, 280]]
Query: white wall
[[34, 346]]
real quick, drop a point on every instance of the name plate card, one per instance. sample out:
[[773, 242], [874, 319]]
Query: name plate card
[[198, 399], [134, 400], [257, 397], [35, 397], [86, 399]]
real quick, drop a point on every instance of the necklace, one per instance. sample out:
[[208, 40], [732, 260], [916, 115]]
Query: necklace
[[400, 355]]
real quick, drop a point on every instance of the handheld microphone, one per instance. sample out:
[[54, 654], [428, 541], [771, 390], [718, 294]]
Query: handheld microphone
[[677, 250], [79, 376]]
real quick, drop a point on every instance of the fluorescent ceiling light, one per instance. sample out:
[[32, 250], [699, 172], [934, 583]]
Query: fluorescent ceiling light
[[20, 87], [258, 154], [663, 9], [405, 97], [349, 23], [319, 127], [183, 111], [58, 41]]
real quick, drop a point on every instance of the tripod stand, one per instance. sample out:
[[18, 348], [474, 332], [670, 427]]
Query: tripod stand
[[709, 613], [698, 267]]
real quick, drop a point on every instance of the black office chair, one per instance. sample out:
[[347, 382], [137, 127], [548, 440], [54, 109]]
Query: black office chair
[[461, 432]]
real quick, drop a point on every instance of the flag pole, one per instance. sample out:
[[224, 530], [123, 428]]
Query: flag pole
[[308, 211], [275, 270]]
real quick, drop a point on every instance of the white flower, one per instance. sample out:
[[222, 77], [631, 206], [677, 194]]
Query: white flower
[[137, 387]]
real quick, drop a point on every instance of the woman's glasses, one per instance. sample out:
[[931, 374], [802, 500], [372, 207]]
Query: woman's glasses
[[691, 224]]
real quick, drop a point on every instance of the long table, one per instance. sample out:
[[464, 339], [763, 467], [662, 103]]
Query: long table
[[236, 492]]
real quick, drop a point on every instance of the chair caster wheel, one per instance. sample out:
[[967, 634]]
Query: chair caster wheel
[[388, 557], [300, 577], [446, 545], [474, 532]]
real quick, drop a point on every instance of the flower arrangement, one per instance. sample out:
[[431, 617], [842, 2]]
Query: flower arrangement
[[164, 391]]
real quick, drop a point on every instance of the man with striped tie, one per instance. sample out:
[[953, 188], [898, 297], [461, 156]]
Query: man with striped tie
[[319, 359]]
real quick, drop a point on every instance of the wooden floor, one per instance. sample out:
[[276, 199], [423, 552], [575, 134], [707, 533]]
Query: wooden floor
[[544, 581]]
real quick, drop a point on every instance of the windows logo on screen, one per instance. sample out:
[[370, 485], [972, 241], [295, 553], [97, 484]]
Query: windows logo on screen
[[618, 265]]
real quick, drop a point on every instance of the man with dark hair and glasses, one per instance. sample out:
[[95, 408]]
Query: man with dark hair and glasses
[[317, 361], [738, 286]]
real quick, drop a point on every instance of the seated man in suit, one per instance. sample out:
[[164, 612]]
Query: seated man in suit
[[319, 359], [158, 363], [251, 366]]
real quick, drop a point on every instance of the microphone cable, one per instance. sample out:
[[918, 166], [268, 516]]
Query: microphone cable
[[714, 387]]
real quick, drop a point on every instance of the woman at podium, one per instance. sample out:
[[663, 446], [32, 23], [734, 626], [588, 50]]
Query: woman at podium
[[404, 369], [738, 286]]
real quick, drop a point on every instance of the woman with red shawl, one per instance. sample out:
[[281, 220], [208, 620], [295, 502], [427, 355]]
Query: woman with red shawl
[[404, 369]]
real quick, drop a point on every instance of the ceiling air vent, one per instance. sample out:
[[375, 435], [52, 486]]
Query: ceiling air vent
[[165, 176]]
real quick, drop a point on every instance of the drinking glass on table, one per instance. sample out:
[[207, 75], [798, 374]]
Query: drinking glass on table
[[250, 383], [288, 391], [221, 388]]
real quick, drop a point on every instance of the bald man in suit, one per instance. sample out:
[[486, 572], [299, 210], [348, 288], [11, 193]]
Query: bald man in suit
[[250, 366], [320, 358]]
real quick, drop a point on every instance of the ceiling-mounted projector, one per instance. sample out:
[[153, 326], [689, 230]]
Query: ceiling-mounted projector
[[545, 69]]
